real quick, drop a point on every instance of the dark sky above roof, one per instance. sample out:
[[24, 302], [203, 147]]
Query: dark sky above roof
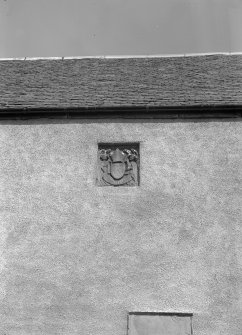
[[96, 82]]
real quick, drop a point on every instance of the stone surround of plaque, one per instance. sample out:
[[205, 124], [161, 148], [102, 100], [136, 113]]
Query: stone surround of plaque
[[118, 164]]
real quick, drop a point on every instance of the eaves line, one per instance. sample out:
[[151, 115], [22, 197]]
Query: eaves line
[[126, 112]]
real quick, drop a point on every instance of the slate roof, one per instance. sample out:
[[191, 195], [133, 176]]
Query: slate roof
[[208, 80]]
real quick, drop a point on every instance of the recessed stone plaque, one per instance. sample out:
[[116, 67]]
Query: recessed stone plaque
[[118, 164], [159, 324]]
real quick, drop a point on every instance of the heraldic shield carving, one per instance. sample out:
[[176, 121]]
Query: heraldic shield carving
[[118, 166]]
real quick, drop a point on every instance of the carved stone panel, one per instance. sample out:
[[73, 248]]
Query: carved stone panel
[[118, 164]]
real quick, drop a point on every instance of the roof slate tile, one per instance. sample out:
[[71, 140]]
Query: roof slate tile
[[95, 82]]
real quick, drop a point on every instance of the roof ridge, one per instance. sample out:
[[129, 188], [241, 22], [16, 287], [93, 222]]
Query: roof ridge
[[125, 56]]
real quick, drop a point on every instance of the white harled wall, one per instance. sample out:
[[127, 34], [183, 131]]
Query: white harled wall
[[76, 258]]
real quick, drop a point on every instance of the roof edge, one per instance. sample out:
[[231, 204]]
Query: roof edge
[[123, 56], [127, 112]]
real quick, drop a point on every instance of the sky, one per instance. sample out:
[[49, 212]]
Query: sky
[[49, 28]]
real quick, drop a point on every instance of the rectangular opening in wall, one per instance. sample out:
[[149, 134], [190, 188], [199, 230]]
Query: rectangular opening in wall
[[141, 323]]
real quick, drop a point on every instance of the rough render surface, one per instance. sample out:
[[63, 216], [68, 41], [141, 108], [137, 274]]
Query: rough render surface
[[201, 80], [76, 258]]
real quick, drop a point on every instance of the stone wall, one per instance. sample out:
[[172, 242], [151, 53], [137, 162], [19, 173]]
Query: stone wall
[[77, 257]]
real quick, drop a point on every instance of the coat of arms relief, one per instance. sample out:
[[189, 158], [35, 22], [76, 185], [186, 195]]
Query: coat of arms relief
[[118, 166]]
